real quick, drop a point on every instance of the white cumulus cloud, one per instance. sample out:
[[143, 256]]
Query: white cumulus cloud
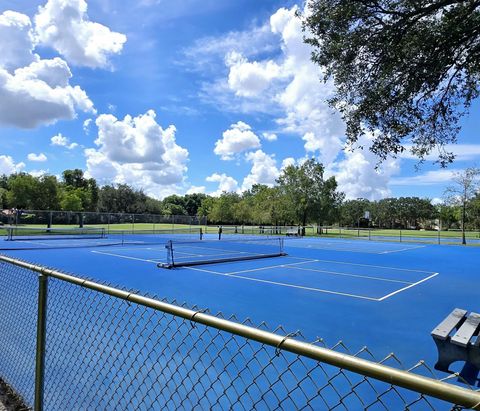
[[64, 25], [86, 125], [304, 97], [37, 157], [289, 161], [33, 91], [38, 173], [288, 86], [196, 190], [139, 152], [8, 165], [356, 174], [16, 40], [239, 137], [432, 177], [62, 141], [250, 78], [225, 183], [264, 169], [270, 136]]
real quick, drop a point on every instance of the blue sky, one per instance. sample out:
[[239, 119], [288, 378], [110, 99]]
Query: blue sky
[[182, 96]]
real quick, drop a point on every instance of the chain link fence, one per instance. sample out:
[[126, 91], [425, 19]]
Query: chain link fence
[[398, 235], [133, 222], [109, 220], [107, 348]]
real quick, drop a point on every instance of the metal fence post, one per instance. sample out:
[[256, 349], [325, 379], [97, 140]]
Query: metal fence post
[[41, 339]]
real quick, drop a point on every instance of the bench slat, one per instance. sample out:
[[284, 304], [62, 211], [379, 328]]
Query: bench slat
[[449, 323], [467, 330]]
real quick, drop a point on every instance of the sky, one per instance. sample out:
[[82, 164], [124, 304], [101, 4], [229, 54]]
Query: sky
[[177, 97]]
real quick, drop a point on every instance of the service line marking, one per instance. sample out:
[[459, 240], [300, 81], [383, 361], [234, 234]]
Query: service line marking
[[319, 290], [127, 257], [407, 287], [402, 249]]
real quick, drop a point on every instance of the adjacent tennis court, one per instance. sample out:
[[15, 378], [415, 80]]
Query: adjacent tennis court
[[385, 295]]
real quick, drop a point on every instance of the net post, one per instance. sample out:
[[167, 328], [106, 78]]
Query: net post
[[439, 230], [9, 233], [170, 259], [201, 233], [41, 341]]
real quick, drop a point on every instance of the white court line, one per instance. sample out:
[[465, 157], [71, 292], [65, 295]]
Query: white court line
[[267, 267], [319, 290], [406, 288], [126, 257], [312, 245], [320, 271], [338, 249], [354, 275], [376, 266], [403, 249]]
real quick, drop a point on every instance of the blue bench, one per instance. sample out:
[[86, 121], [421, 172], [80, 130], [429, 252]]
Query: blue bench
[[457, 339]]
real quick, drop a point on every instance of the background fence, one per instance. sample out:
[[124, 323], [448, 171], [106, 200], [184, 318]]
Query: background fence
[[80, 219], [372, 234], [107, 348], [132, 222], [401, 235]]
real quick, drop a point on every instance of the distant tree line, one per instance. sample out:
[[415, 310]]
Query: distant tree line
[[301, 196], [74, 192]]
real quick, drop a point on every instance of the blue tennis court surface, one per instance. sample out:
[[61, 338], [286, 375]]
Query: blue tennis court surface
[[385, 295]]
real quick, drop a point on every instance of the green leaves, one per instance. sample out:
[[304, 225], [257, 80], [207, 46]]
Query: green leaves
[[307, 193], [404, 70]]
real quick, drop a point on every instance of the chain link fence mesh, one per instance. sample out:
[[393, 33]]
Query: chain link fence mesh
[[109, 220], [106, 353]]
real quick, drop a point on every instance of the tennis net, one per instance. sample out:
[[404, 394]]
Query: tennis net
[[39, 233], [26, 238], [185, 253]]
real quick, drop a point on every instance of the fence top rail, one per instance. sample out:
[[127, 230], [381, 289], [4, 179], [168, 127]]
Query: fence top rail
[[25, 211], [424, 385]]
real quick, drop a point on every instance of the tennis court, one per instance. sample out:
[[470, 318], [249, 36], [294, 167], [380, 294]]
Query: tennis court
[[382, 294]]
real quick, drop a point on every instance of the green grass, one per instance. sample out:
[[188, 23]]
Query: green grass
[[363, 232], [123, 226], [390, 234]]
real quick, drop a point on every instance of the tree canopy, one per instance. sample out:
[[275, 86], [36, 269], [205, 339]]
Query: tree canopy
[[301, 196], [463, 192], [404, 71]]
